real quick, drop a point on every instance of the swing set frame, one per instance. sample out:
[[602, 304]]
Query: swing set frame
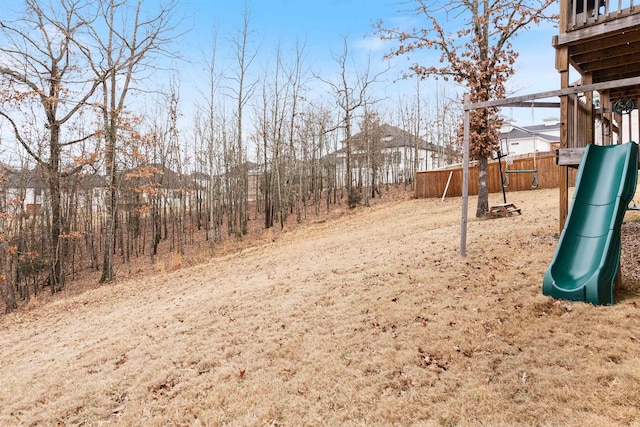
[[518, 101]]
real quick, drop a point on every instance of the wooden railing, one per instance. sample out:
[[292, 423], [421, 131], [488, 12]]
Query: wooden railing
[[583, 13], [431, 184]]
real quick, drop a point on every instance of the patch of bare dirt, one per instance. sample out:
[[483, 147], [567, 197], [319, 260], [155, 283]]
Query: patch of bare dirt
[[370, 318]]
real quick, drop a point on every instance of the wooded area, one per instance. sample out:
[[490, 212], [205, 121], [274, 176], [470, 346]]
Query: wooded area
[[95, 180]]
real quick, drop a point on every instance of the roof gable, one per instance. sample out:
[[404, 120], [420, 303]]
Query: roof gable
[[388, 136]]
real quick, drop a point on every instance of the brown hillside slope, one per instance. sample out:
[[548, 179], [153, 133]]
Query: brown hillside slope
[[372, 319]]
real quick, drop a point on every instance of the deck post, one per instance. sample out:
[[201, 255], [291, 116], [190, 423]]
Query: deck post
[[562, 65]]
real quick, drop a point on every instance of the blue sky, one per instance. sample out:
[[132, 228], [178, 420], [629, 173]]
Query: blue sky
[[322, 25]]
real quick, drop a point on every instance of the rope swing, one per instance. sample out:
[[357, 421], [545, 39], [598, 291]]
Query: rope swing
[[534, 171]]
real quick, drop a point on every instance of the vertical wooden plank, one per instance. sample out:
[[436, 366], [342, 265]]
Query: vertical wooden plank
[[619, 134], [564, 14], [587, 79], [607, 128], [564, 138]]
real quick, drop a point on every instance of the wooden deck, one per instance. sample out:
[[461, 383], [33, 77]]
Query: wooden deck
[[604, 47]]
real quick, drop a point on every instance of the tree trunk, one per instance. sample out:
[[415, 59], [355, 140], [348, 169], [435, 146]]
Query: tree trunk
[[56, 275], [110, 228], [107, 265], [8, 293], [483, 187]]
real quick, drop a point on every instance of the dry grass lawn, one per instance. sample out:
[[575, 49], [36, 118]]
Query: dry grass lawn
[[371, 319]]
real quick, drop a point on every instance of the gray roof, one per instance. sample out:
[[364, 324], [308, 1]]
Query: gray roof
[[23, 178], [155, 173], [398, 138], [540, 131]]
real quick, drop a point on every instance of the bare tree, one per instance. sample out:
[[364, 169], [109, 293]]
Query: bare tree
[[265, 132], [244, 56], [7, 252], [410, 119], [478, 54], [274, 142], [443, 124], [317, 119], [351, 94], [212, 155], [42, 66], [122, 51]]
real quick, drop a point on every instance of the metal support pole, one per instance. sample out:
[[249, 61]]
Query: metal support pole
[[465, 178], [504, 195]]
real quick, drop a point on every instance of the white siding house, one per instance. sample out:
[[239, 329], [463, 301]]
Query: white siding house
[[516, 140], [26, 190], [388, 155], [22, 190]]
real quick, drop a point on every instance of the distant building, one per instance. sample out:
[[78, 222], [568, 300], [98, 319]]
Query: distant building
[[23, 190], [254, 174], [390, 154], [142, 183], [516, 140], [27, 190]]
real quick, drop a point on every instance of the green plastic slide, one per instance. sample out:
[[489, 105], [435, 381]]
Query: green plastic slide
[[586, 261]]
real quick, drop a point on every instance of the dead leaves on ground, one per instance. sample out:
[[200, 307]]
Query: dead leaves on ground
[[429, 361]]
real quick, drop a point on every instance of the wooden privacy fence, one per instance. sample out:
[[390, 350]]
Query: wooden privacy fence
[[432, 183]]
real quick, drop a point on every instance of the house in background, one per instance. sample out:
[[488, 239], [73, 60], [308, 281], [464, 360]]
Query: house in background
[[22, 190], [142, 183], [26, 190], [89, 191], [254, 174], [515, 140], [390, 155]]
